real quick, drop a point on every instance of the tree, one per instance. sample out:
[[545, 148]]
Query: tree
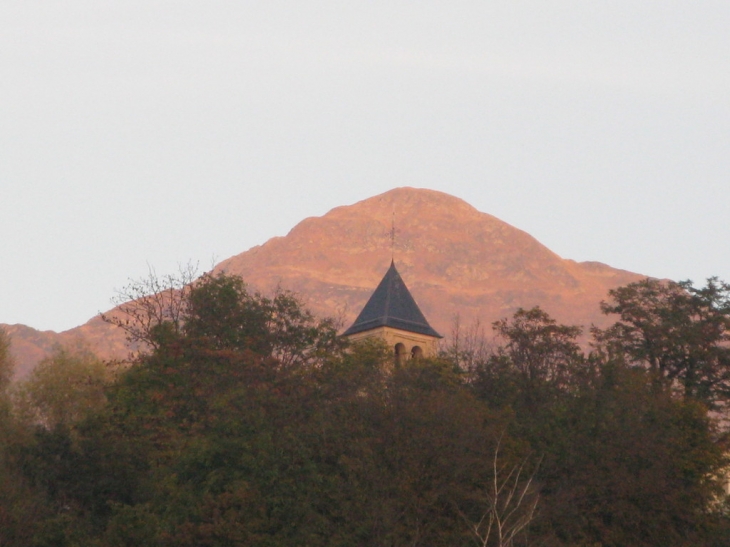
[[147, 303], [20, 505], [536, 361], [217, 310], [7, 368], [196, 414], [538, 347], [6, 361], [63, 389], [468, 346], [622, 462], [630, 466], [680, 333], [221, 312], [507, 503]]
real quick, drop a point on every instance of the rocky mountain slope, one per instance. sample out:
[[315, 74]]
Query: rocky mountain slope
[[455, 260]]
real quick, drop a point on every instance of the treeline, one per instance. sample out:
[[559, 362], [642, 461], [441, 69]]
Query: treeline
[[243, 420]]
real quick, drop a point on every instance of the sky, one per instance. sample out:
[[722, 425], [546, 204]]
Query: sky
[[148, 134]]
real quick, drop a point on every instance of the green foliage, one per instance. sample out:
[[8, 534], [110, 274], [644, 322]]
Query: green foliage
[[21, 506], [679, 332], [622, 462], [540, 350], [629, 466], [62, 389], [132, 526], [249, 422], [222, 314], [537, 363], [7, 366], [7, 369], [6, 375], [262, 430]]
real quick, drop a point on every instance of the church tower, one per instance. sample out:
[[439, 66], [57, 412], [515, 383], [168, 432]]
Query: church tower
[[392, 315]]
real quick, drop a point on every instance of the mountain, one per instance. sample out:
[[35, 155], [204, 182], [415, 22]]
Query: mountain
[[29, 346], [455, 260]]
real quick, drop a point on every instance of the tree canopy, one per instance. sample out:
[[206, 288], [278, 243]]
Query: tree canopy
[[680, 333], [245, 420]]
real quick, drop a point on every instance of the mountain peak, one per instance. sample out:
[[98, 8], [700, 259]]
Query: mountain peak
[[454, 259]]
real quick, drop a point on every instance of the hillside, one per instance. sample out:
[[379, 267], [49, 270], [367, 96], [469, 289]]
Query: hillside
[[455, 260]]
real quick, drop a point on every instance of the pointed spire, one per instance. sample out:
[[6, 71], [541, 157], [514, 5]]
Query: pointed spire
[[391, 305]]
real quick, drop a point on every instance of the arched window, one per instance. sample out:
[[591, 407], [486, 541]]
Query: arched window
[[416, 352], [400, 353]]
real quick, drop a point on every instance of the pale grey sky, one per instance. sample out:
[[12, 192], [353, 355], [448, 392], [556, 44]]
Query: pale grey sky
[[156, 132]]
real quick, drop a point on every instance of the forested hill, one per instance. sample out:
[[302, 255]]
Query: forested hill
[[455, 260]]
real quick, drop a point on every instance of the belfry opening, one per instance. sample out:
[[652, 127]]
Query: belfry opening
[[392, 315]]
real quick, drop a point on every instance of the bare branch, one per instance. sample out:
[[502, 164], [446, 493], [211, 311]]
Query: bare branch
[[510, 504], [146, 303]]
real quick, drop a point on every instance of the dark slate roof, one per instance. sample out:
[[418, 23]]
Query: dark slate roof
[[392, 305]]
